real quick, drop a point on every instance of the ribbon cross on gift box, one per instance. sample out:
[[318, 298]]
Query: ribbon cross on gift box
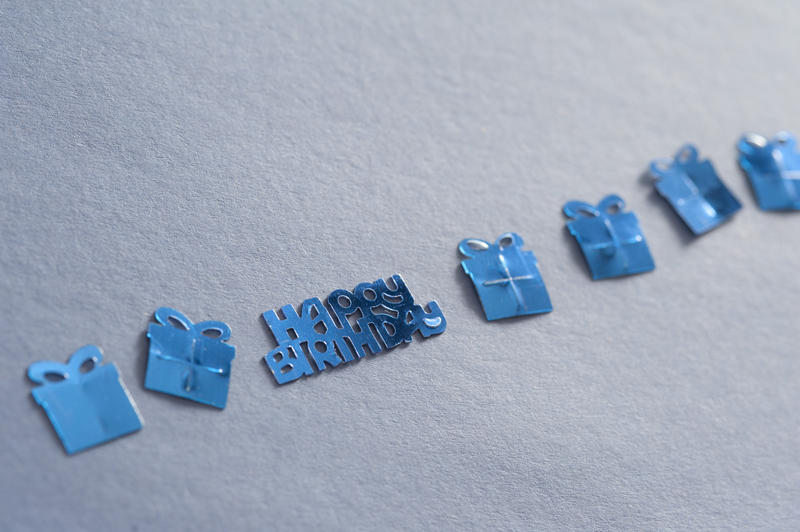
[[189, 360], [87, 403], [610, 239]]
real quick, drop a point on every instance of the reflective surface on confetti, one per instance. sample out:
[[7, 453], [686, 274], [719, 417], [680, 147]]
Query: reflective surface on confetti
[[506, 278], [773, 167], [90, 405], [611, 239], [189, 360], [693, 188], [372, 317]]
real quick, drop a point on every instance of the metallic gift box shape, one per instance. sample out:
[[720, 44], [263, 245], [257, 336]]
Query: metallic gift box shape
[[773, 168], [506, 278], [611, 240], [374, 315], [186, 361], [694, 190], [85, 408]]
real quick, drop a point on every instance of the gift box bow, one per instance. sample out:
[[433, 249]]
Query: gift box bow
[[204, 331], [39, 371], [760, 149], [472, 247], [684, 163]]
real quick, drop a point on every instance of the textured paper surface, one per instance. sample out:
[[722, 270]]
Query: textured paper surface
[[226, 158]]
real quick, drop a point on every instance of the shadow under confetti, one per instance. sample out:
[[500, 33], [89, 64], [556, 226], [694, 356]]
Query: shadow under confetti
[[142, 348]]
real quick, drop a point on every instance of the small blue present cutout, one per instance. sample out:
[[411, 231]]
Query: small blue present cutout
[[506, 278], [189, 360], [610, 239], [694, 190], [86, 407], [773, 168], [374, 315]]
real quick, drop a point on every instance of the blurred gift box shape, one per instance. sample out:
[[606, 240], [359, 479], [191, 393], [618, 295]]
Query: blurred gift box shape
[[506, 278], [694, 190], [773, 168], [374, 315], [189, 360], [610, 238], [87, 403]]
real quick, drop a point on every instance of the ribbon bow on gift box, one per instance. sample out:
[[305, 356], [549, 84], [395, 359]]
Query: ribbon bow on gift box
[[193, 345], [71, 371]]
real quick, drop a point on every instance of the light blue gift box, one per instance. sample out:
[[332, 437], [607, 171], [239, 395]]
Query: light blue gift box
[[89, 404]]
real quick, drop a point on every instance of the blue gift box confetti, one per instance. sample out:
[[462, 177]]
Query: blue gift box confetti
[[693, 188], [773, 167], [506, 278], [189, 360], [611, 239], [89, 405]]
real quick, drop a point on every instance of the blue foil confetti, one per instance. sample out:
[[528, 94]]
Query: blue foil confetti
[[189, 360], [611, 239], [693, 188], [89, 405], [506, 278], [374, 317], [773, 167]]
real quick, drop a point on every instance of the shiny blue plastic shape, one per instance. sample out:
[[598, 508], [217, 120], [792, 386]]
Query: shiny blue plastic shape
[[610, 239], [89, 405], [189, 360], [372, 317], [506, 278], [773, 168], [694, 190]]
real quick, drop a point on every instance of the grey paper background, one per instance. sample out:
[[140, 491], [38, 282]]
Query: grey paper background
[[229, 158]]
